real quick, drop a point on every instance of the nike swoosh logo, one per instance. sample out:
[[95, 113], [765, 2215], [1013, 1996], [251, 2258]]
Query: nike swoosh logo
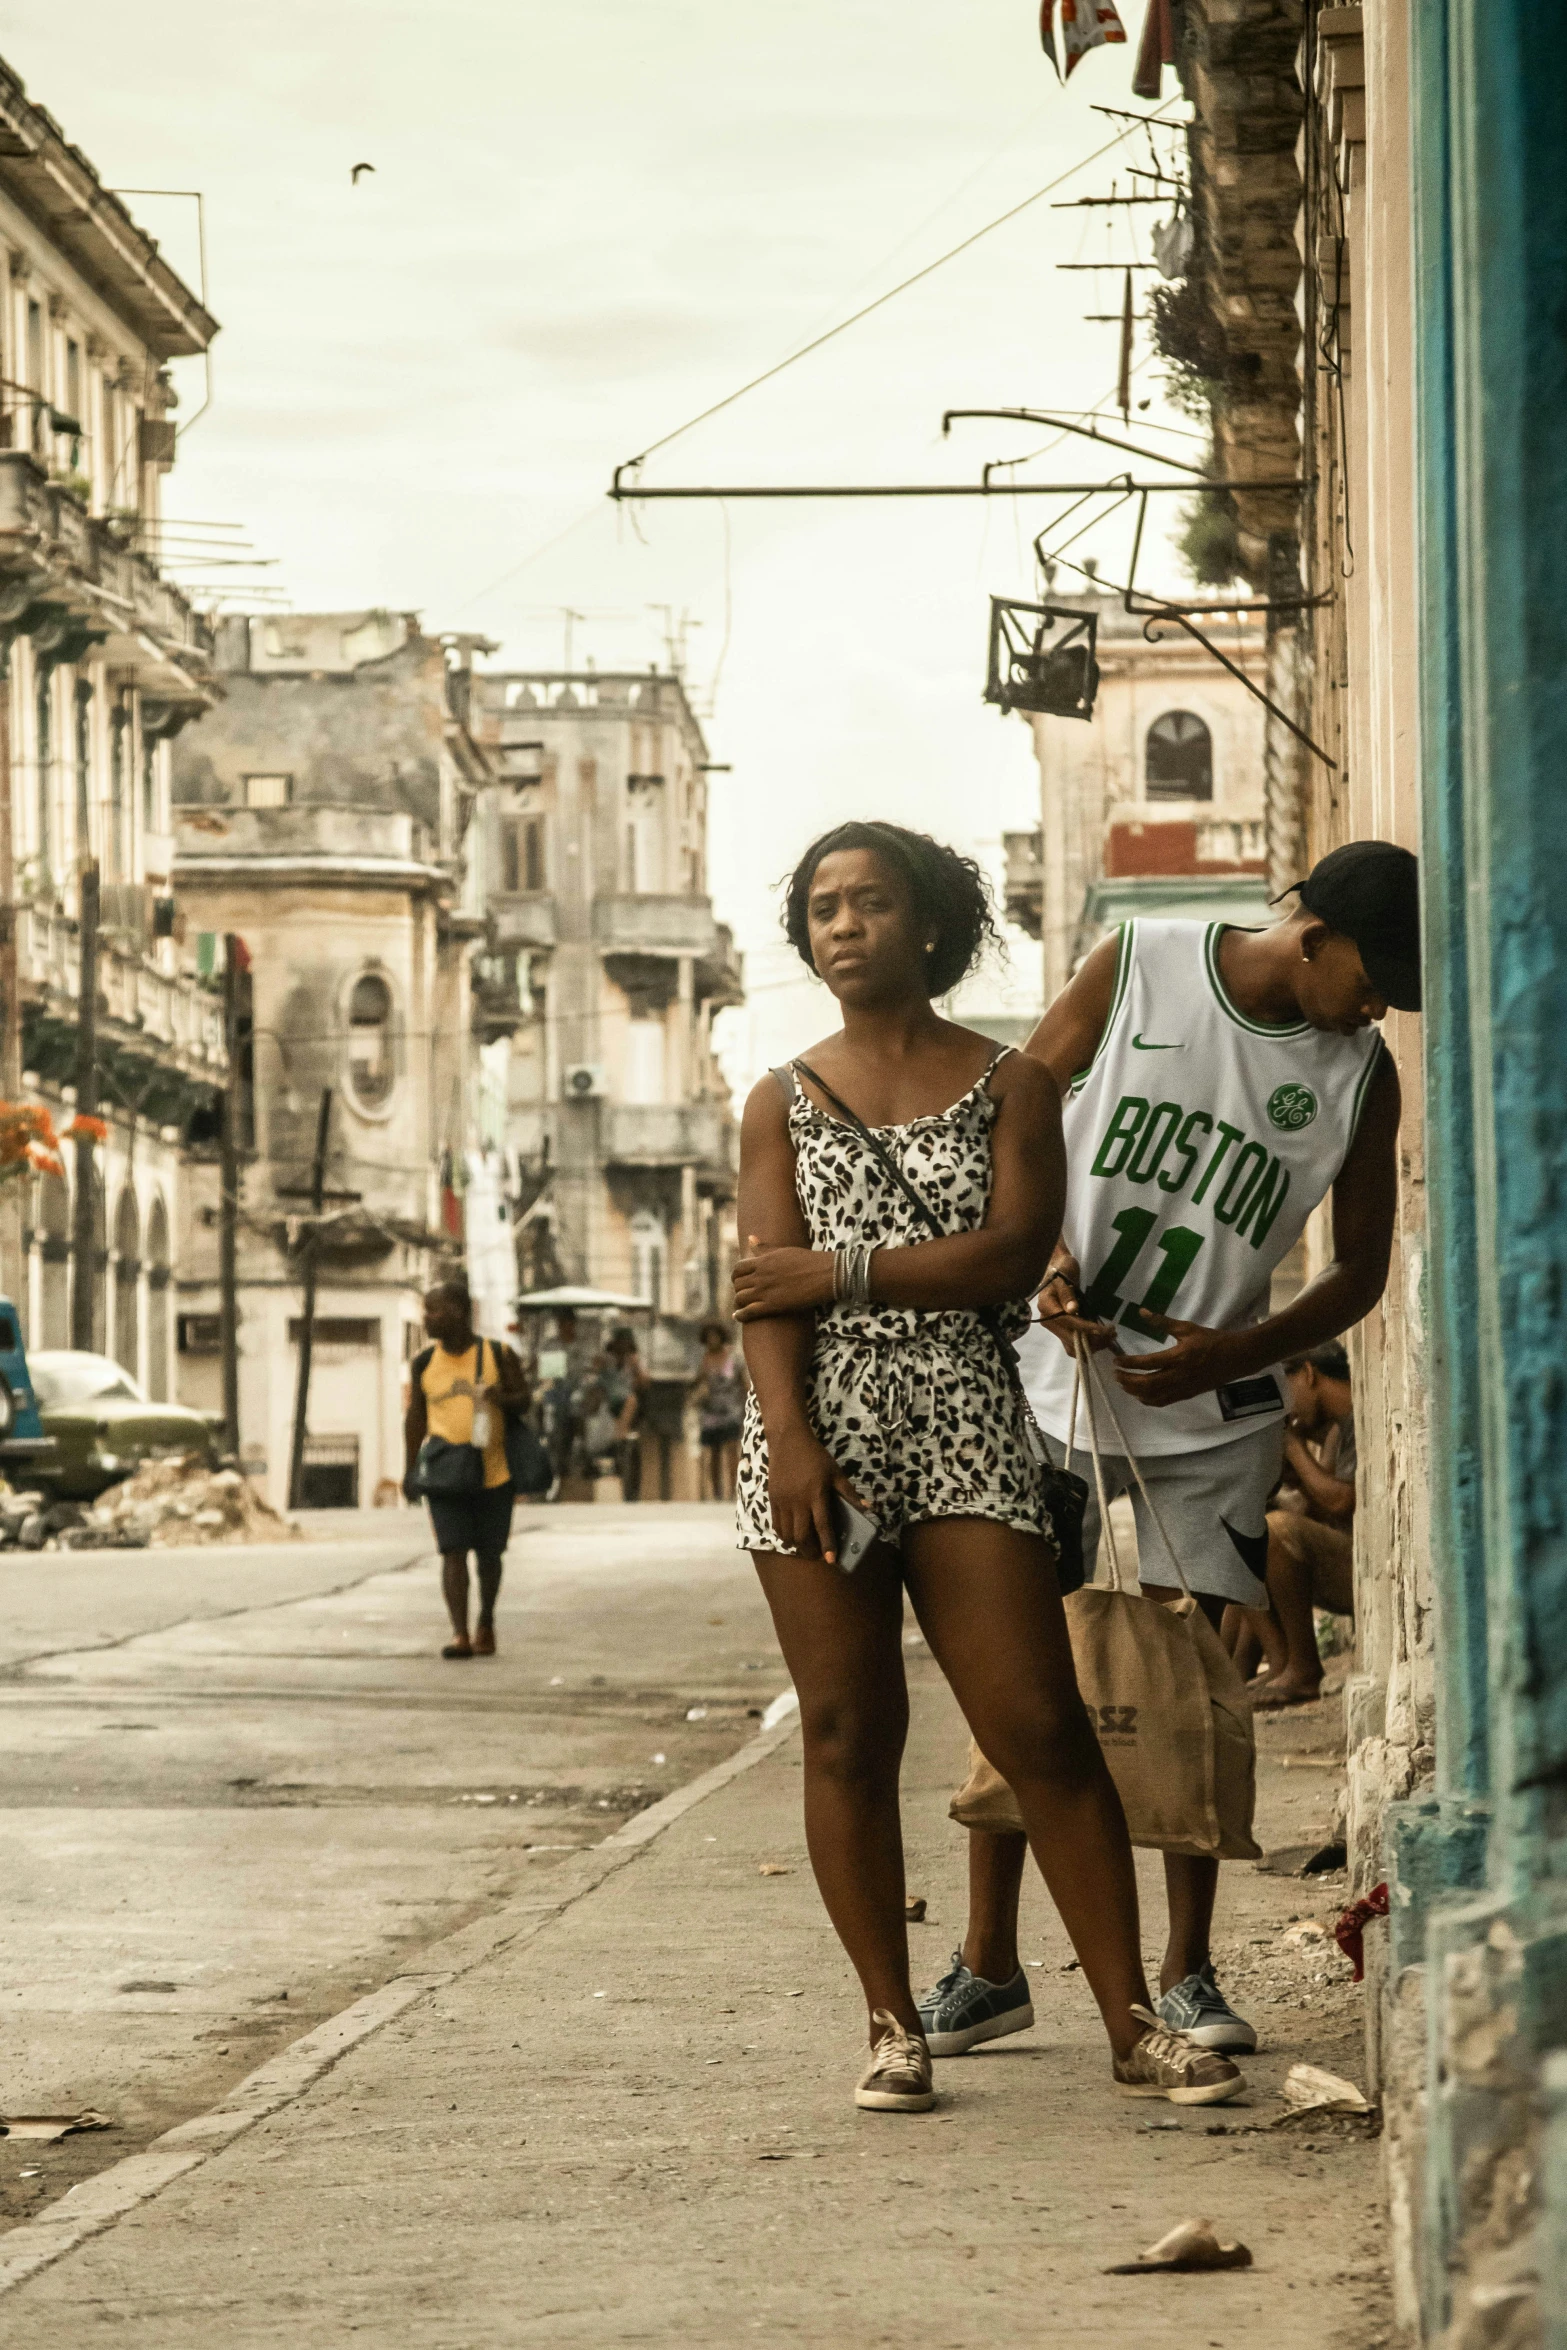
[[1138, 1045]]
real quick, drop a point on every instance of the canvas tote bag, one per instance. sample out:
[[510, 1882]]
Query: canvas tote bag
[[1166, 1699]]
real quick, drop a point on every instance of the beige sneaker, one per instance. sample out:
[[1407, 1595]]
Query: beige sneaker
[[1167, 2064], [897, 2079]]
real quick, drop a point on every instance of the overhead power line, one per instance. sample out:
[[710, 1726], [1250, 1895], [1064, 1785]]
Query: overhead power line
[[881, 300]]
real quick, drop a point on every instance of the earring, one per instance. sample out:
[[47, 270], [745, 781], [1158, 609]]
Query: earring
[[930, 946]]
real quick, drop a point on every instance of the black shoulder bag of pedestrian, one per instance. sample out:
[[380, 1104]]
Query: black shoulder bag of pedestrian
[[445, 1471], [1066, 1496]]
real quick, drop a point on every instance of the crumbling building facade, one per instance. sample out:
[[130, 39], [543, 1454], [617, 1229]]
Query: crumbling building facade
[[1378, 191], [321, 813], [102, 662], [591, 867]]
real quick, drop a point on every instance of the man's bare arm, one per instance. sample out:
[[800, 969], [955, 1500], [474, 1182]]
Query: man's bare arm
[[1331, 1498]]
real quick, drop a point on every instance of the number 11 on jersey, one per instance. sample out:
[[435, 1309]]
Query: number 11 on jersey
[[1178, 1247]]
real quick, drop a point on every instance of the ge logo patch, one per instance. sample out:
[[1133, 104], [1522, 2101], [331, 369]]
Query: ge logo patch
[[1292, 1106]]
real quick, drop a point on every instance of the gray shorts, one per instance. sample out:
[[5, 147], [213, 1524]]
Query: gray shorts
[[1214, 1504]]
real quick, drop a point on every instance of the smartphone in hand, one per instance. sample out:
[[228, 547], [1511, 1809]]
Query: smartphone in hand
[[853, 1530]]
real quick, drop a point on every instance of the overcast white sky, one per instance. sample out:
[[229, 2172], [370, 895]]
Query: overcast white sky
[[585, 223]]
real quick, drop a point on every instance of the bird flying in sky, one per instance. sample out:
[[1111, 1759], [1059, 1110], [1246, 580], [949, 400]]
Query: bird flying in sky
[[358, 168]]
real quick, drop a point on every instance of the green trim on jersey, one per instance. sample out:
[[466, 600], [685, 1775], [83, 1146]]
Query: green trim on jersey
[[1210, 956], [1373, 1064], [1123, 979]]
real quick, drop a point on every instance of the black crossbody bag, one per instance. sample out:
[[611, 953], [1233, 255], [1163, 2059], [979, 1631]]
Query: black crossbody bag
[[1066, 1495]]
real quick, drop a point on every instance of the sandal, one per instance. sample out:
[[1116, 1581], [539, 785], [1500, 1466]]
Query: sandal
[[484, 1640], [458, 1648]]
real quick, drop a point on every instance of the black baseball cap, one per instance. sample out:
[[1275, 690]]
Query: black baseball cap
[[1370, 891]]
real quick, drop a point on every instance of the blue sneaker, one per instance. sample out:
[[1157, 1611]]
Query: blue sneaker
[[1199, 2008], [964, 2009]]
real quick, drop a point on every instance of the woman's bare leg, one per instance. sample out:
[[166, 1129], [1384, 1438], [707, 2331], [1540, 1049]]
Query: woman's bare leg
[[989, 1605], [841, 1636]]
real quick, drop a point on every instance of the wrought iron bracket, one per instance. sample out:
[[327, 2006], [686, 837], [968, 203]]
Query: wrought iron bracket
[[1027, 673], [1153, 609]]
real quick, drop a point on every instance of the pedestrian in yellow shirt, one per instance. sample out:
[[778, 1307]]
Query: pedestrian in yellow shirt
[[462, 1390]]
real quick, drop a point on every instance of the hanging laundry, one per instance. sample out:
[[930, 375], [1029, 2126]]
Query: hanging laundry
[[1085, 25], [1173, 241], [1156, 49]]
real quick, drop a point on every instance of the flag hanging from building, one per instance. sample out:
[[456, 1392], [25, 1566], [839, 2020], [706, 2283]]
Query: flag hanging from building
[[1085, 25], [1155, 50]]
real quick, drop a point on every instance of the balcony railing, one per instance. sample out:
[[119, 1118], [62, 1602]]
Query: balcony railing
[[668, 1134], [166, 1010], [525, 921], [45, 526], [647, 925], [328, 835]]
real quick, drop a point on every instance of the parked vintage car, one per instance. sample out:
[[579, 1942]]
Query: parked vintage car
[[24, 1447], [104, 1427]]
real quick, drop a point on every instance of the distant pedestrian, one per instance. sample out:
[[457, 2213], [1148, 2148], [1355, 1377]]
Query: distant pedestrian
[[884, 1384], [564, 1363], [719, 1394], [622, 1384], [462, 1389]]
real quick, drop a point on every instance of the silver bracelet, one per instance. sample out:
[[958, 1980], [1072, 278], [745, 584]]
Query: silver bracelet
[[851, 1272]]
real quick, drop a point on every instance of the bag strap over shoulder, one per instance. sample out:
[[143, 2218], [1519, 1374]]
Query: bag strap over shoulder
[[876, 1147], [986, 1316]]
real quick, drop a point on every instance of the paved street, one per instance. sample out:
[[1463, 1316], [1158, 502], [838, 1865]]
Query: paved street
[[241, 1788], [616, 2111], [576, 2091]]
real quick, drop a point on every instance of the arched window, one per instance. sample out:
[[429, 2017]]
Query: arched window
[[100, 1285], [127, 1282], [54, 1224], [1180, 758], [158, 1300], [370, 1064]]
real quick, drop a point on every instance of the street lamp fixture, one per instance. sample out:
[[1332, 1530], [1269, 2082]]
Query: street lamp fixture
[[1029, 672]]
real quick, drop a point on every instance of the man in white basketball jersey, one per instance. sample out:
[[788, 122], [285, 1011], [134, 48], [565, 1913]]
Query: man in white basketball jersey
[[1216, 1084]]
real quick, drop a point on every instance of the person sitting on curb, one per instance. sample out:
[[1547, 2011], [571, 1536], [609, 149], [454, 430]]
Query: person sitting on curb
[[1311, 1550]]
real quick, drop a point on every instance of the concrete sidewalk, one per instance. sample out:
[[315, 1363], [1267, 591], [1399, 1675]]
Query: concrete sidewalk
[[629, 2121]]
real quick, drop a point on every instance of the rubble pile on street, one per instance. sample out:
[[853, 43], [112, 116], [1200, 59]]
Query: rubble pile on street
[[167, 1504], [183, 1501]]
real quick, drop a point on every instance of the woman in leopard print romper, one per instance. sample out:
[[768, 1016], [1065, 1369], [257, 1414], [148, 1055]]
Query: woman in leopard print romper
[[917, 1409], [903, 1405]]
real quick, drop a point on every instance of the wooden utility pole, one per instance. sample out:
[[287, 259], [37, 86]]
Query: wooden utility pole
[[307, 1327], [228, 1201], [84, 1236]]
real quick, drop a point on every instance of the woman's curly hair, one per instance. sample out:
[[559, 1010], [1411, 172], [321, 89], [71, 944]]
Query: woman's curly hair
[[952, 899]]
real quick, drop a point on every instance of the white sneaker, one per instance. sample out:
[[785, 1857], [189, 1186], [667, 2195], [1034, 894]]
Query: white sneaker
[[897, 2079]]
